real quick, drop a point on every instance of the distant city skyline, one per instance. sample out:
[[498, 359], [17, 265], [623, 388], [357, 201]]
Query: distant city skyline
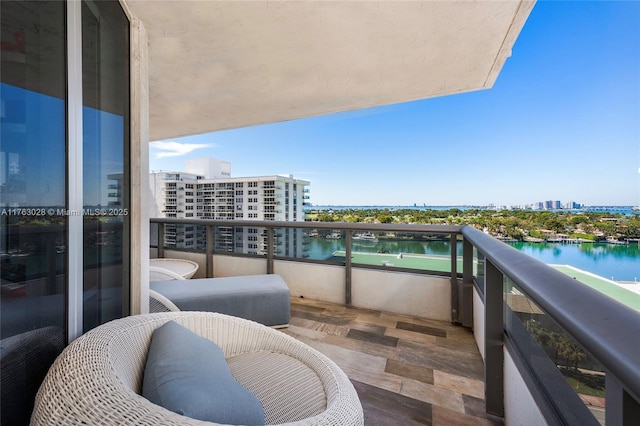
[[210, 163], [562, 122]]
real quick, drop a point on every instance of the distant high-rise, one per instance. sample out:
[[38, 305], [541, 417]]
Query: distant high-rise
[[572, 205], [166, 187], [193, 195], [209, 168]]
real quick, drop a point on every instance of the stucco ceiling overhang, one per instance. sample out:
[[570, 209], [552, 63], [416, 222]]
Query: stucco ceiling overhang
[[217, 65]]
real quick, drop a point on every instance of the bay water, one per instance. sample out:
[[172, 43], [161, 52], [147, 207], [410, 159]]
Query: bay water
[[612, 261]]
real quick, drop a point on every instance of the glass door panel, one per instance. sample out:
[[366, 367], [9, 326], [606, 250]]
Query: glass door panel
[[105, 86], [33, 217]]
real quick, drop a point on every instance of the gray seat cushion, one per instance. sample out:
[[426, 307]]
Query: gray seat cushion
[[24, 361], [260, 298], [188, 374]]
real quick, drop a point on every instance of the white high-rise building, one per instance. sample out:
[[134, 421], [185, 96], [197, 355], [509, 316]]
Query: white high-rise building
[[209, 168], [174, 195], [191, 195], [254, 198]]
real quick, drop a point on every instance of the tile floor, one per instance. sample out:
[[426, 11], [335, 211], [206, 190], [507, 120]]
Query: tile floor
[[406, 370]]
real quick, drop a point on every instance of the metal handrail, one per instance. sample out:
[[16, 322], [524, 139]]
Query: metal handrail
[[599, 323], [348, 226]]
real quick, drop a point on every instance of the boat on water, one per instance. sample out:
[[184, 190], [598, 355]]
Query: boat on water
[[365, 237], [335, 235], [618, 242]]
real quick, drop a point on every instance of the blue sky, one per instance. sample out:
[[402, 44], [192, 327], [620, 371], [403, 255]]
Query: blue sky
[[562, 122]]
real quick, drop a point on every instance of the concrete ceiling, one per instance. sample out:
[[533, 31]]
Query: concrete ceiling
[[217, 65]]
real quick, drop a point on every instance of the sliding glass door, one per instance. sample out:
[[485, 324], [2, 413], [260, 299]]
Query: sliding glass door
[[64, 183], [105, 147]]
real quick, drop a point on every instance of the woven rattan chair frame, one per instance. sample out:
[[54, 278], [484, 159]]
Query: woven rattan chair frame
[[159, 303], [98, 378], [156, 273], [183, 267]]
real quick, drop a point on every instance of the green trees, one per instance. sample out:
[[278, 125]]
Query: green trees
[[385, 218], [558, 346], [516, 224], [325, 217], [350, 218]]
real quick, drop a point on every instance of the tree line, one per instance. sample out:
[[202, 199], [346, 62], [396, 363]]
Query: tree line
[[515, 224]]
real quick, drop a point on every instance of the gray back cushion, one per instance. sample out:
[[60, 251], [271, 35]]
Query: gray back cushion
[[24, 361], [188, 374]]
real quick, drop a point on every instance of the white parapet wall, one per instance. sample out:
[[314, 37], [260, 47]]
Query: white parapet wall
[[420, 295], [399, 292], [519, 406], [478, 321], [229, 266], [313, 281]]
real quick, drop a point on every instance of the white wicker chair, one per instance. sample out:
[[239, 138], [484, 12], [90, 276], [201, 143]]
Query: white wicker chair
[[185, 268], [159, 303], [157, 273], [98, 378]]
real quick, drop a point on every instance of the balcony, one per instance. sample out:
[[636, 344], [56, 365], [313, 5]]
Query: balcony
[[471, 335]]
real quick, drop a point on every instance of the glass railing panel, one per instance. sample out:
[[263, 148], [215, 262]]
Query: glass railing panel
[[479, 262], [248, 240], [224, 239], [476, 263], [312, 244], [420, 251], [153, 234], [200, 235], [571, 380]]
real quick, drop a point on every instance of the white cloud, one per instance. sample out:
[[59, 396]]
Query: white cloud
[[175, 149]]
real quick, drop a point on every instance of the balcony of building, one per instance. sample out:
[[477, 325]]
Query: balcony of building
[[460, 46], [478, 333]]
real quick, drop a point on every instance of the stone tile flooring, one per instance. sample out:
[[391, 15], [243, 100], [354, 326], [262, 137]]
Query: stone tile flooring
[[406, 370]]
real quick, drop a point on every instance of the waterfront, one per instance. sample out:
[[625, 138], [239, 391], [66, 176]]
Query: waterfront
[[623, 210], [611, 261]]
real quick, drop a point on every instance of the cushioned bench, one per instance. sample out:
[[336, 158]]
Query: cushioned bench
[[260, 298]]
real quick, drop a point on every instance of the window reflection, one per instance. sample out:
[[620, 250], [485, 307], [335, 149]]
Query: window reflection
[[105, 121], [33, 235], [32, 167]]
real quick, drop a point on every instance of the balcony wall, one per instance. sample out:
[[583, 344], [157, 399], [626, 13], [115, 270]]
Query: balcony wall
[[398, 292]]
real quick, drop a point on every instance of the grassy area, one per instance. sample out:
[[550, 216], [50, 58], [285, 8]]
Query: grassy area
[[584, 383], [582, 388], [603, 285], [583, 236], [412, 261]]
